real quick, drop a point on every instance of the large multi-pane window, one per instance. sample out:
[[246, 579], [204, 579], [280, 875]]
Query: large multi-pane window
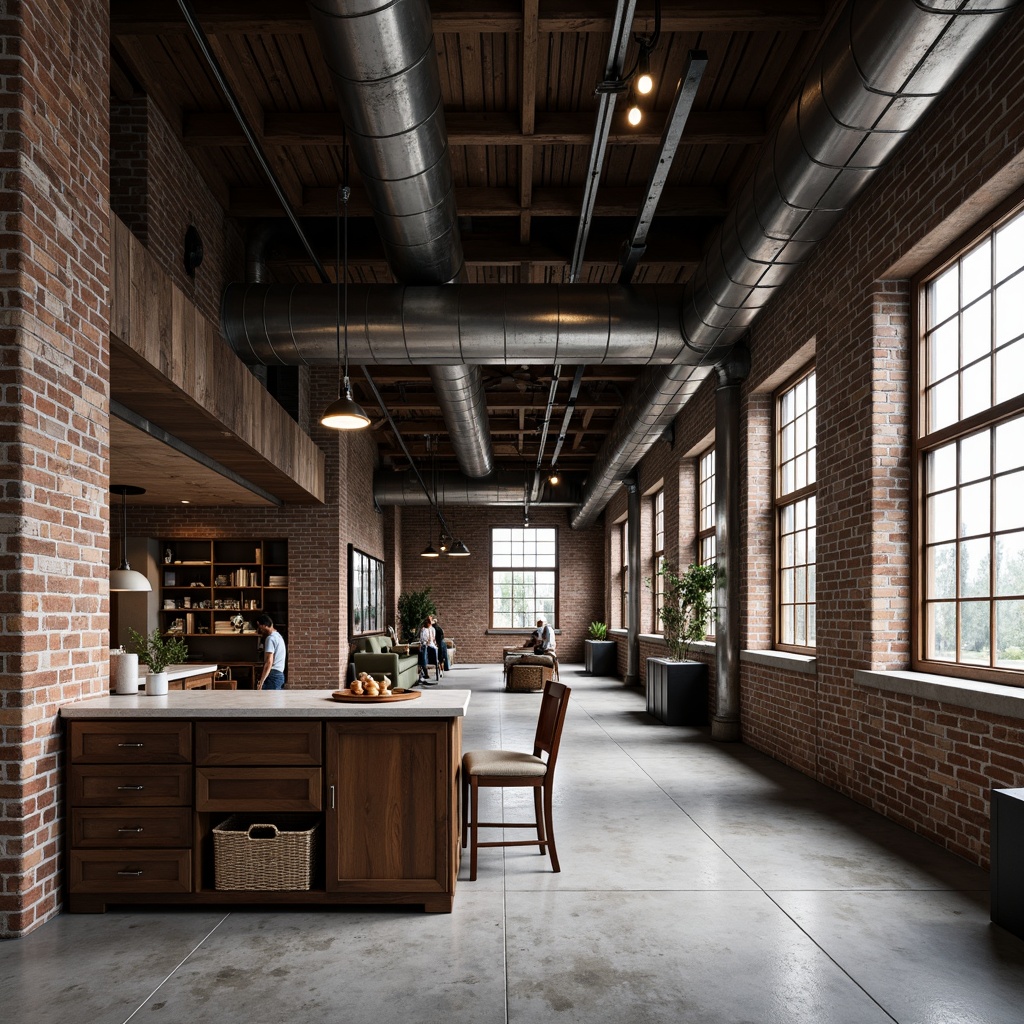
[[971, 444], [624, 539], [524, 577], [658, 556], [707, 551], [795, 507]]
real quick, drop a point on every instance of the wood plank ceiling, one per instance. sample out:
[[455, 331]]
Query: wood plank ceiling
[[518, 82]]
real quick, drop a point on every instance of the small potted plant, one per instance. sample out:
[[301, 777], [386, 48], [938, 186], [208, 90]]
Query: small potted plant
[[599, 652], [158, 651], [677, 687]]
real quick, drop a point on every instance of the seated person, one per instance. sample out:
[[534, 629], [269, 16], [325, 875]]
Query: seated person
[[545, 639]]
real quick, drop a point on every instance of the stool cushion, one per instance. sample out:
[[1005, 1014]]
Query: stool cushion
[[510, 763]]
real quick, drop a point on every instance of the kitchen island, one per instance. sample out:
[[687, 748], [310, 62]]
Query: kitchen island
[[149, 778]]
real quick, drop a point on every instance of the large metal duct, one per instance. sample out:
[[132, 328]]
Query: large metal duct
[[880, 69], [384, 68], [458, 324], [504, 487]]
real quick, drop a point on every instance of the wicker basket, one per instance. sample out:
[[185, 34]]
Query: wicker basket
[[528, 677], [258, 853]]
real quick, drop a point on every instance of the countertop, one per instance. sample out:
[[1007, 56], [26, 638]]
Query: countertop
[[264, 704], [179, 671]]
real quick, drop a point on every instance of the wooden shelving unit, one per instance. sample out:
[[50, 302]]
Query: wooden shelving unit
[[212, 590]]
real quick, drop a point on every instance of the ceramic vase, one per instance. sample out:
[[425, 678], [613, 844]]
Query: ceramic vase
[[156, 684], [124, 671]]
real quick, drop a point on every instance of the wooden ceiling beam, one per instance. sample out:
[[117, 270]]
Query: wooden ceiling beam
[[315, 128], [270, 17], [698, 201]]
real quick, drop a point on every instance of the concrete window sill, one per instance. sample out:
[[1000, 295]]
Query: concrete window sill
[[784, 661], [965, 693]]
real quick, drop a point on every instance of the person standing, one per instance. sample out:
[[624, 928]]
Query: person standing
[[428, 652], [274, 655], [442, 647]]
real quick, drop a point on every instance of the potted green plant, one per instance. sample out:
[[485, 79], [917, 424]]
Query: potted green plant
[[158, 651], [677, 687], [599, 652], [413, 607]]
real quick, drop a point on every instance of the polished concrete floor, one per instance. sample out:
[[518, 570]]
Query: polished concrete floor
[[700, 883]]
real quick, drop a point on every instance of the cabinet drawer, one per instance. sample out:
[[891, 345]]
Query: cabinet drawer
[[258, 743], [139, 785], [258, 789], [133, 871], [130, 828], [130, 742]]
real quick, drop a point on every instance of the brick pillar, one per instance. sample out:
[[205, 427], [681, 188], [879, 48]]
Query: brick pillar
[[54, 366]]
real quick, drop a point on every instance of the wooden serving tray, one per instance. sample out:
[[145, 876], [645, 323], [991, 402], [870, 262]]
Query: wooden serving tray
[[347, 696]]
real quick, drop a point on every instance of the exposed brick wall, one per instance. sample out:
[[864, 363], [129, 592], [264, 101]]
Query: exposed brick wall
[[460, 587], [158, 192], [129, 164], [54, 359]]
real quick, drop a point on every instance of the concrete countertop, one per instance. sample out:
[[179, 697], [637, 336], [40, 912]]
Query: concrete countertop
[[264, 704], [179, 671]]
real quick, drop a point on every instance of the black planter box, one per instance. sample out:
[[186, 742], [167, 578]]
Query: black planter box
[[1007, 850], [600, 657], [677, 691]]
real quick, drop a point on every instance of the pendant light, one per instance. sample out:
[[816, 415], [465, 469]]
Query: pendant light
[[124, 577], [458, 550], [344, 413]]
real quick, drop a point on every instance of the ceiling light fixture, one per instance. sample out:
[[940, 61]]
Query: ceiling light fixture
[[124, 577], [554, 478], [644, 81], [634, 115], [344, 413], [458, 550]]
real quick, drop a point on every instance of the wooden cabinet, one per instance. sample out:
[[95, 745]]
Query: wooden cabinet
[[393, 810], [130, 810], [144, 797], [212, 590]]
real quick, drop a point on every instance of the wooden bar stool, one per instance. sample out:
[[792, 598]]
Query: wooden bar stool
[[507, 768]]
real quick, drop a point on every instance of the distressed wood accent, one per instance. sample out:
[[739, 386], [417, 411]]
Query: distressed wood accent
[[170, 365]]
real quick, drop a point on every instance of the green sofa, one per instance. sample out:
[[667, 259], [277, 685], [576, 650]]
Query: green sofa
[[374, 654]]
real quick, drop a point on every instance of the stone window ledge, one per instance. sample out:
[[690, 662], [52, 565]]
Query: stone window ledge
[[785, 661], [966, 693]]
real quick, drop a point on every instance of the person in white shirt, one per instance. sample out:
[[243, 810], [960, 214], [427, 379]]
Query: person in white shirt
[[545, 638], [428, 652]]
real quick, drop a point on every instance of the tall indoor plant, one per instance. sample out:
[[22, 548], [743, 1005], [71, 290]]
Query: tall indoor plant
[[684, 615], [413, 607]]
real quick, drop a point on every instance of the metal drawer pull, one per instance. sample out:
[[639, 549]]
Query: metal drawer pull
[[139, 829], [131, 744], [332, 798], [133, 874], [133, 788]]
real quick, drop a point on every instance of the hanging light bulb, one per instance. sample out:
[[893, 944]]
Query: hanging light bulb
[[644, 81], [344, 413], [554, 478], [124, 577], [634, 115]]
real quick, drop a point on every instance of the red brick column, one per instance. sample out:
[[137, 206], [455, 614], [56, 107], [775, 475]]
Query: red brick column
[[54, 367]]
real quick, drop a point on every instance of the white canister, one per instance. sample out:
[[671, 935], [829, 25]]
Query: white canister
[[156, 684], [124, 671]]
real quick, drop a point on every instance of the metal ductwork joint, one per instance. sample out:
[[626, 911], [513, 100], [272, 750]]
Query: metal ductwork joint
[[384, 68], [879, 71]]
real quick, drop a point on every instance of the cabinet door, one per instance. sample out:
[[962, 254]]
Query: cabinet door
[[390, 826]]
